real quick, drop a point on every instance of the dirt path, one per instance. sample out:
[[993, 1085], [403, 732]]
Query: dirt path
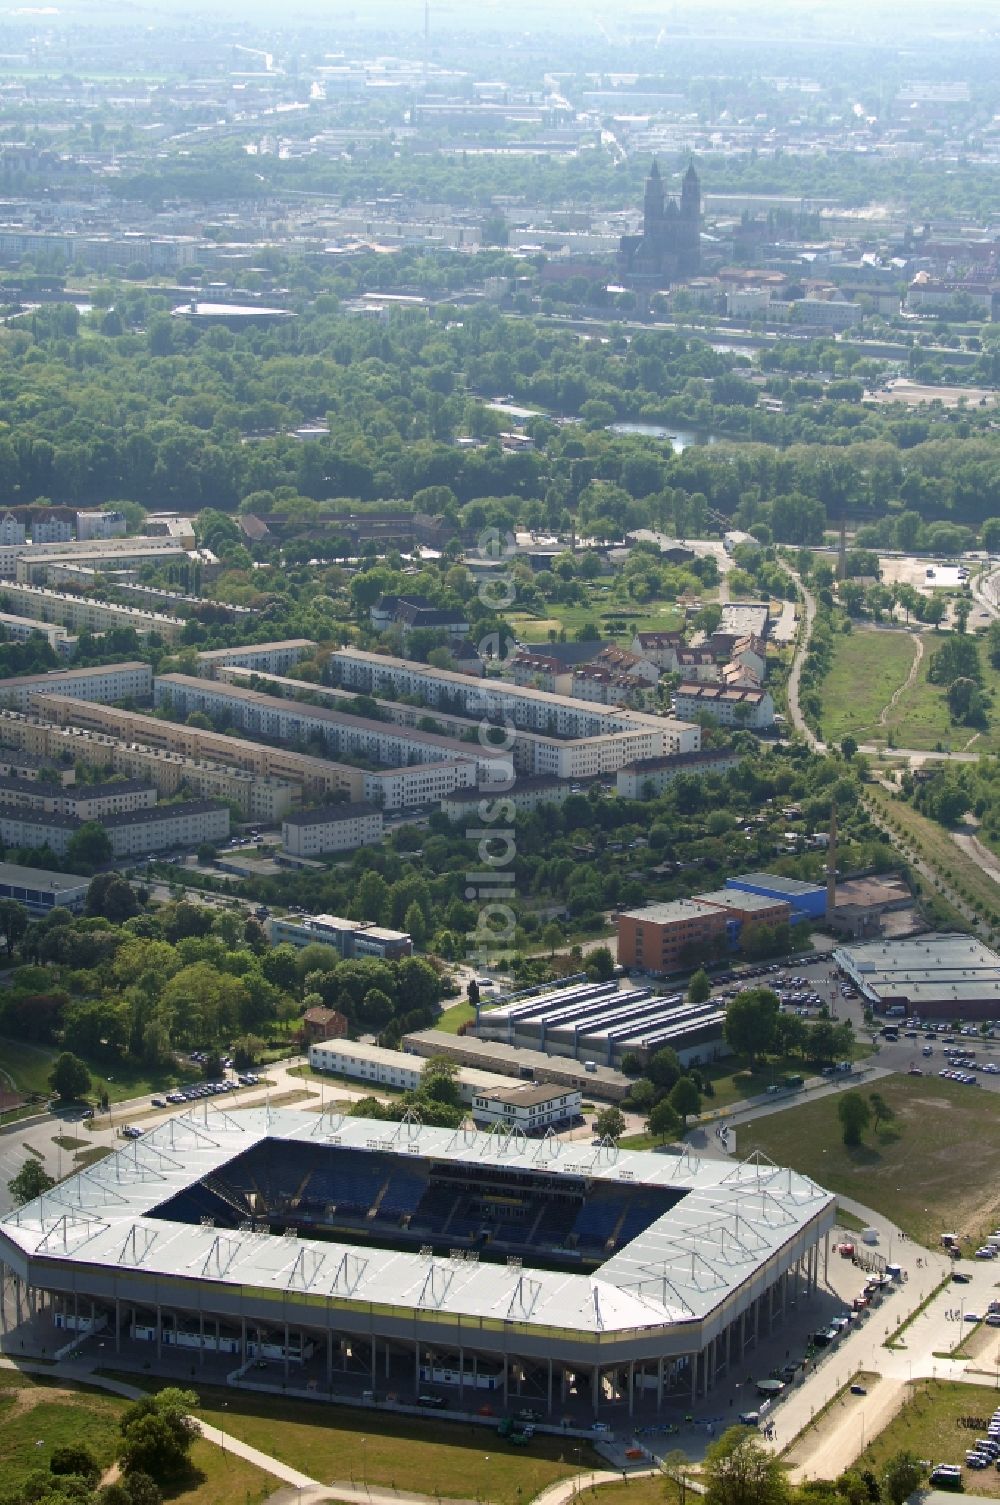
[[908, 682], [981, 856], [824, 1453]]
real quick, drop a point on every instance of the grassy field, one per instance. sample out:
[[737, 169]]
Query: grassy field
[[867, 667], [934, 1167], [429, 1457], [935, 845], [928, 1425], [920, 717], [28, 1066], [450, 1020], [662, 616], [37, 1416]]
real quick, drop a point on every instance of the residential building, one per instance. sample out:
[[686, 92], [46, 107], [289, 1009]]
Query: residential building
[[659, 648], [728, 705], [352, 938], [133, 833], [525, 794], [331, 828], [321, 1023], [85, 614], [666, 937], [20, 629], [16, 764], [272, 658], [418, 783], [104, 684], [650, 776], [49, 530], [395, 1068], [87, 801], [111, 524], [11, 531], [542, 672], [316, 776]]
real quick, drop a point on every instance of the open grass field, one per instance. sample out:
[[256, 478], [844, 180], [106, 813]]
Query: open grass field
[[429, 1457], [37, 1416], [450, 1020], [28, 1066], [654, 616], [934, 1167], [928, 1425], [867, 667]]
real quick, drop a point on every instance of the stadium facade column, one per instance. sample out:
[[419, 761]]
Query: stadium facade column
[[506, 1376], [595, 1385], [659, 1383], [286, 1353], [374, 1358], [201, 1335], [159, 1330], [3, 1289], [826, 1258], [548, 1390], [416, 1366], [694, 1377], [329, 1358], [243, 1340], [729, 1346], [461, 1373], [118, 1325], [631, 1387]]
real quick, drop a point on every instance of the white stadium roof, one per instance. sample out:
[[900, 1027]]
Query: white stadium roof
[[730, 1220]]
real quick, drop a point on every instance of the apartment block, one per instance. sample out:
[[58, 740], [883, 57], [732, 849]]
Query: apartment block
[[29, 561], [661, 937], [532, 753], [524, 795], [83, 614], [296, 721], [20, 629], [86, 801], [106, 683], [315, 776], [419, 784], [331, 828], [650, 776], [352, 938], [133, 833], [258, 797], [272, 658], [91, 525], [729, 705]]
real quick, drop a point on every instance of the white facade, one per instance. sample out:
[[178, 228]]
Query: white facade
[[84, 614], [334, 828], [730, 706], [531, 1108], [11, 531], [91, 525], [633, 782], [103, 684], [20, 629], [271, 658]]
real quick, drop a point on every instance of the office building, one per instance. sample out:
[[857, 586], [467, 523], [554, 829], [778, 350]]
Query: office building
[[667, 937], [352, 938]]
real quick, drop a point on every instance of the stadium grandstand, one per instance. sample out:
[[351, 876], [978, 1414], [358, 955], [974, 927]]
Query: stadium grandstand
[[374, 1259]]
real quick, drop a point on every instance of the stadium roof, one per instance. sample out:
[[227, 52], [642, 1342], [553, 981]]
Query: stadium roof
[[731, 1218]]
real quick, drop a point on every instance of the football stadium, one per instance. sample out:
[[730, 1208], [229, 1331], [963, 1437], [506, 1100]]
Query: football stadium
[[395, 1261]]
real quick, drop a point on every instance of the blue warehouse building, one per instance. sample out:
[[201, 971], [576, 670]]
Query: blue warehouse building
[[808, 900]]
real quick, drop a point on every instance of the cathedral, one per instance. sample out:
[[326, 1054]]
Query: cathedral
[[669, 248]]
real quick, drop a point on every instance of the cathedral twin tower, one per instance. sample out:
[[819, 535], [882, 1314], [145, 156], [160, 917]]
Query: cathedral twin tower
[[669, 247]]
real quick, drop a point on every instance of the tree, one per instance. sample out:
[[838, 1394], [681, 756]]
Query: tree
[[750, 1021], [30, 1182], [664, 1122], [700, 987], [439, 1080], [75, 1458], [610, 1124], [69, 1077], [89, 847], [855, 1116], [13, 923], [600, 964], [738, 1471], [685, 1098], [112, 897], [415, 924], [901, 1476], [882, 1112], [552, 937], [849, 747], [157, 1433], [664, 1068]]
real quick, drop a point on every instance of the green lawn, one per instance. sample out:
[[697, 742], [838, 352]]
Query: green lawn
[[450, 1020], [934, 1167], [928, 1425], [29, 1065], [920, 718], [424, 1455], [867, 667], [39, 1415]]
